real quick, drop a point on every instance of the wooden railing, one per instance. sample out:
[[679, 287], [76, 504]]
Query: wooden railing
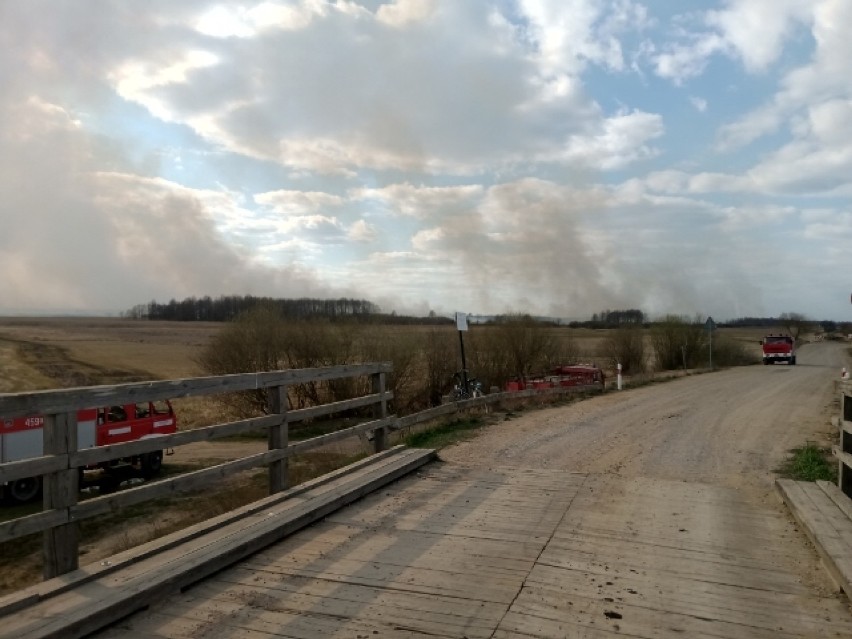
[[62, 513], [843, 451], [59, 465]]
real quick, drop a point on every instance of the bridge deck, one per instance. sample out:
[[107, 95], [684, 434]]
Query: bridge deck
[[451, 551]]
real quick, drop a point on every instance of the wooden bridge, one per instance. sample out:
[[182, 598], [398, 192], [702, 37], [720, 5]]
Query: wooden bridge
[[401, 544]]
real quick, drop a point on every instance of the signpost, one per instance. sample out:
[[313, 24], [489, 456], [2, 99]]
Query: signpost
[[461, 325], [710, 326]]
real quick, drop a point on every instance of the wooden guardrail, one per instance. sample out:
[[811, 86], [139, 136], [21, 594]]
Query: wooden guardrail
[[843, 451], [61, 514]]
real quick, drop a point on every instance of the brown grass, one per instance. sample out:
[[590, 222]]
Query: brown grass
[[41, 353]]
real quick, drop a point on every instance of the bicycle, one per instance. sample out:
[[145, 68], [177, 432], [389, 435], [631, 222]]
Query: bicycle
[[459, 392]]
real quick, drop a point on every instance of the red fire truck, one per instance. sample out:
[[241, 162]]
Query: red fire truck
[[778, 348], [23, 438], [561, 376]]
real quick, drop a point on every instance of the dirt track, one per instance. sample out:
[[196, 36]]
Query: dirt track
[[730, 427]]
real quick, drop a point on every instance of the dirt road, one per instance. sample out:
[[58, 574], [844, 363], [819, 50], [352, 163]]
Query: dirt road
[[731, 427], [664, 525]]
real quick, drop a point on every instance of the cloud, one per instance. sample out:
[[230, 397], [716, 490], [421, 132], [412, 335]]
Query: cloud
[[477, 156], [433, 122], [700, 104], [77, 238], [290, 202], [751, 31], [757, 29]]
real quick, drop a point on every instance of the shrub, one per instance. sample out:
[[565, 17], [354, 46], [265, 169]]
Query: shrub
[[626, 346], [678, 343]]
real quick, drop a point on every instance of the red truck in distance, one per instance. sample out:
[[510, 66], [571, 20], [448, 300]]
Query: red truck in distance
[[778, 348]]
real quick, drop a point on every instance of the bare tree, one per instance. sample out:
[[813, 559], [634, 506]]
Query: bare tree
[[521, 344], [795, 324], [626, 346], [677, 342]]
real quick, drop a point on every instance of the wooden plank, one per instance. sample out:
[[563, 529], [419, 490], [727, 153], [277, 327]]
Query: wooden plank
[[70, 399], [95, 604], [277, 438], [322, 440], [312, 412], [844, 457], [841, 500], [32, 467], [60, 543], [35, 523], [207, 433], [377, 612], [380, 411], [807, 503], [53, 587]]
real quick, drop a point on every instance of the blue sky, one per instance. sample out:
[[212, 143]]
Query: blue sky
[[556, 157]]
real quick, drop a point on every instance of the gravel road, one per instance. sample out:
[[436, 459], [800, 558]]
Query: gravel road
[[732, 427]]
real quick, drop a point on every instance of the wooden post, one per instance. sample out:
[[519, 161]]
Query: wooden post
[[278, 438], [844, 474], [380, 412], [61, 544]]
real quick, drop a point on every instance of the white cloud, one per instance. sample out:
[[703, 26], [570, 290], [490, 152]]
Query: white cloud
[[362, 231], [700, 104], [422, 201], [680, 62], [401, 13], [309, 146], [758, 29], [622, 140], [289, 202]]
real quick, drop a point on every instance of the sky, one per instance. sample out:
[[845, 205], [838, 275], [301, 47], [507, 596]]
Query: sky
[[551, 157]]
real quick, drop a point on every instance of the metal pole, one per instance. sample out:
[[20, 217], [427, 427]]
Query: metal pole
[[711, 350], [464, 366]]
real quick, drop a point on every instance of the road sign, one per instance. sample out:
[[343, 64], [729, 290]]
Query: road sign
[[461, 321], [710, 325]]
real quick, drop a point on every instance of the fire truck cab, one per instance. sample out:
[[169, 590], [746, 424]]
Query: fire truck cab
[[23, 438], [778, 348]]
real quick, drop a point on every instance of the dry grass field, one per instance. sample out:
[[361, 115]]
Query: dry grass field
[[54, 352]]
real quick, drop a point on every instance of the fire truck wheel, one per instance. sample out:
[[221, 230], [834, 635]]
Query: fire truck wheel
[[152, 463], [24, 490]]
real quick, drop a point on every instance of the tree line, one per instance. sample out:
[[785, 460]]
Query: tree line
[[228, 307]]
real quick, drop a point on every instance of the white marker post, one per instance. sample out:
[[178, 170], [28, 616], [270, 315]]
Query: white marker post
[[618, 378]]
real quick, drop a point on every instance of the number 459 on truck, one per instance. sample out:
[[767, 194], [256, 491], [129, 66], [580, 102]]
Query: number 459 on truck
[[23, 438]]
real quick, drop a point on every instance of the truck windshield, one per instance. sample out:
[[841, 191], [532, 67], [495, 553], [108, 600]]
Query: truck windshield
[[779, 340]]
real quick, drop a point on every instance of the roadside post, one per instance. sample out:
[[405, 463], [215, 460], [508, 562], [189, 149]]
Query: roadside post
[[710, 326], [461, 325], [618, 377]]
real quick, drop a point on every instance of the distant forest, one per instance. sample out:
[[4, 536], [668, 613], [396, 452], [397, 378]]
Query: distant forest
[[228, 307], [225, 308]]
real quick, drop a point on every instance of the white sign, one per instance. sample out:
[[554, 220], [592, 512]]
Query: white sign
[[461, 321]]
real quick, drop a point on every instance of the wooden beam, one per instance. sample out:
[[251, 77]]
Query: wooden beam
[[278, 437], [60, 493], [64, 400]]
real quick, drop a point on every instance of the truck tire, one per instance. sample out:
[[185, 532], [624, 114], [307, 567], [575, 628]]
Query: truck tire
[[151, 464], [24, 490], [793, 361]]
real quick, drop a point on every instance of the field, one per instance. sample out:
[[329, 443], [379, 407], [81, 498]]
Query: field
[[43, 353], [55, 352]]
